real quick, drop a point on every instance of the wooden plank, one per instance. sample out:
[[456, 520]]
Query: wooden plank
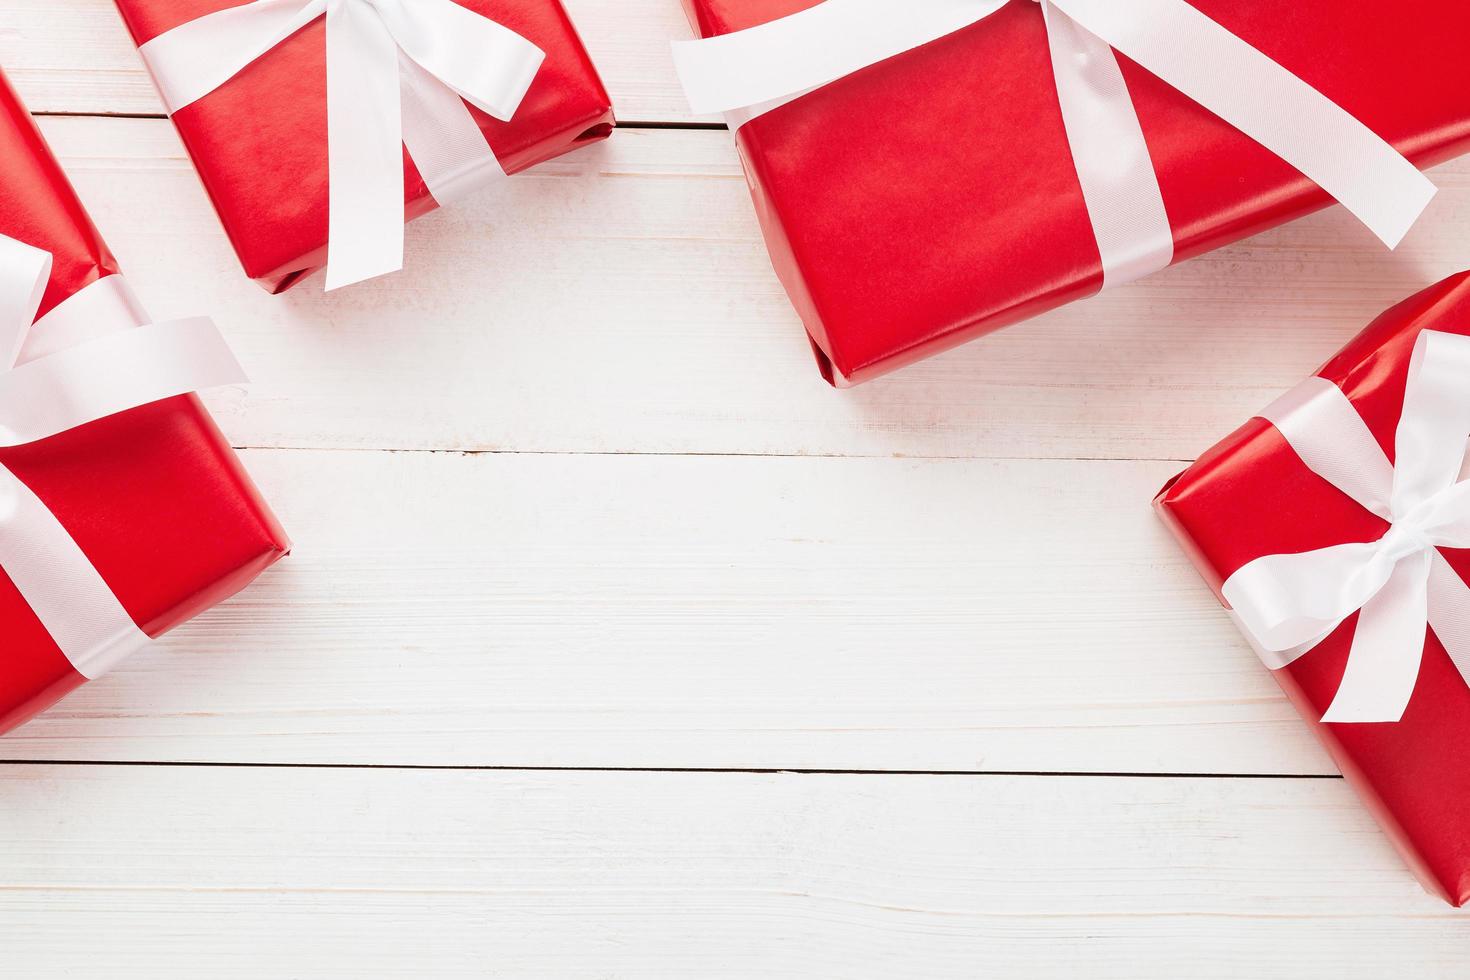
[[620, 300], [703, 611], [182, 873], [77, 57]]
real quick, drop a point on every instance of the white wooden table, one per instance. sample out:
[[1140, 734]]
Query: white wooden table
[[616, 644]]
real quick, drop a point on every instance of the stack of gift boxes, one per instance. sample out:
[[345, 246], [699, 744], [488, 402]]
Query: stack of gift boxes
[[922, 176]]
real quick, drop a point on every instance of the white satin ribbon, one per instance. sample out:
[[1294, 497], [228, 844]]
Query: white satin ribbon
[[1288, 603], [398, 74], [24, 273], [750, 72], [44, 391]]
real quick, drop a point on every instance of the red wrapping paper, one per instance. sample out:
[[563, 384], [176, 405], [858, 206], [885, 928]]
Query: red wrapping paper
[[1252, 496], [932, 198], [259, 142], [155, 496]]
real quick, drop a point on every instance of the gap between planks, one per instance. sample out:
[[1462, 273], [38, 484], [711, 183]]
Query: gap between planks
[[619, 124], [620, 300], [709, 770], [709, 454], [228, 873], [705, 613]]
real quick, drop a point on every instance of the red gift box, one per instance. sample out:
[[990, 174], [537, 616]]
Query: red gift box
[[259, 141], [1251, 496], [932, 197], [155, 496]]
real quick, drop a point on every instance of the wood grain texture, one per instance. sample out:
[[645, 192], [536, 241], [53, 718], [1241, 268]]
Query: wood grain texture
[[703, 611], [76, 57], [569, 493], [620, 300], [183, 873]]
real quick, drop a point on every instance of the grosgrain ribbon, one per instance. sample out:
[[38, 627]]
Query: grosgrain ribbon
[[750, 72], [1289, 603], [108, 368], [398, 74]]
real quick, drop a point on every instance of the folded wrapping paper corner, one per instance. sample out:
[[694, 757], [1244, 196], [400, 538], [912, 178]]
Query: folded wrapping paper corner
[[419, 103], [1140, 146], [1334, 528]]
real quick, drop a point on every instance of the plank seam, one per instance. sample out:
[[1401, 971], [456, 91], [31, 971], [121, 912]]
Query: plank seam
[[620, 124], [711, 454], [426, 767]]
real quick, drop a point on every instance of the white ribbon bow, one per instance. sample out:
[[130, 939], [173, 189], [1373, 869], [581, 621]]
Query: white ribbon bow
[[749, 72], [398, 73], [81, 364], [1287, 604]]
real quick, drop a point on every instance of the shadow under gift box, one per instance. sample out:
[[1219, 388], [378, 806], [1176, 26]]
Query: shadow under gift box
[[932, 198], [155, 496], [259, 142], [1251, 496]]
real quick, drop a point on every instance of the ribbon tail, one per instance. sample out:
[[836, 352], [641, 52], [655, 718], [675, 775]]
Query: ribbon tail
[[488, 64], [1119, 184], [1449, 613], [1262, 99], [102, 307], [1388, 646], [197, 57], [24, 274], [365, 147], [446, 144], [768, 65]]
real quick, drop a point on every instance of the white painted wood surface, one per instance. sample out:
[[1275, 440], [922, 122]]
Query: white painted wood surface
[[556, 292], [696, 611], [383, 873], [569, 495]]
